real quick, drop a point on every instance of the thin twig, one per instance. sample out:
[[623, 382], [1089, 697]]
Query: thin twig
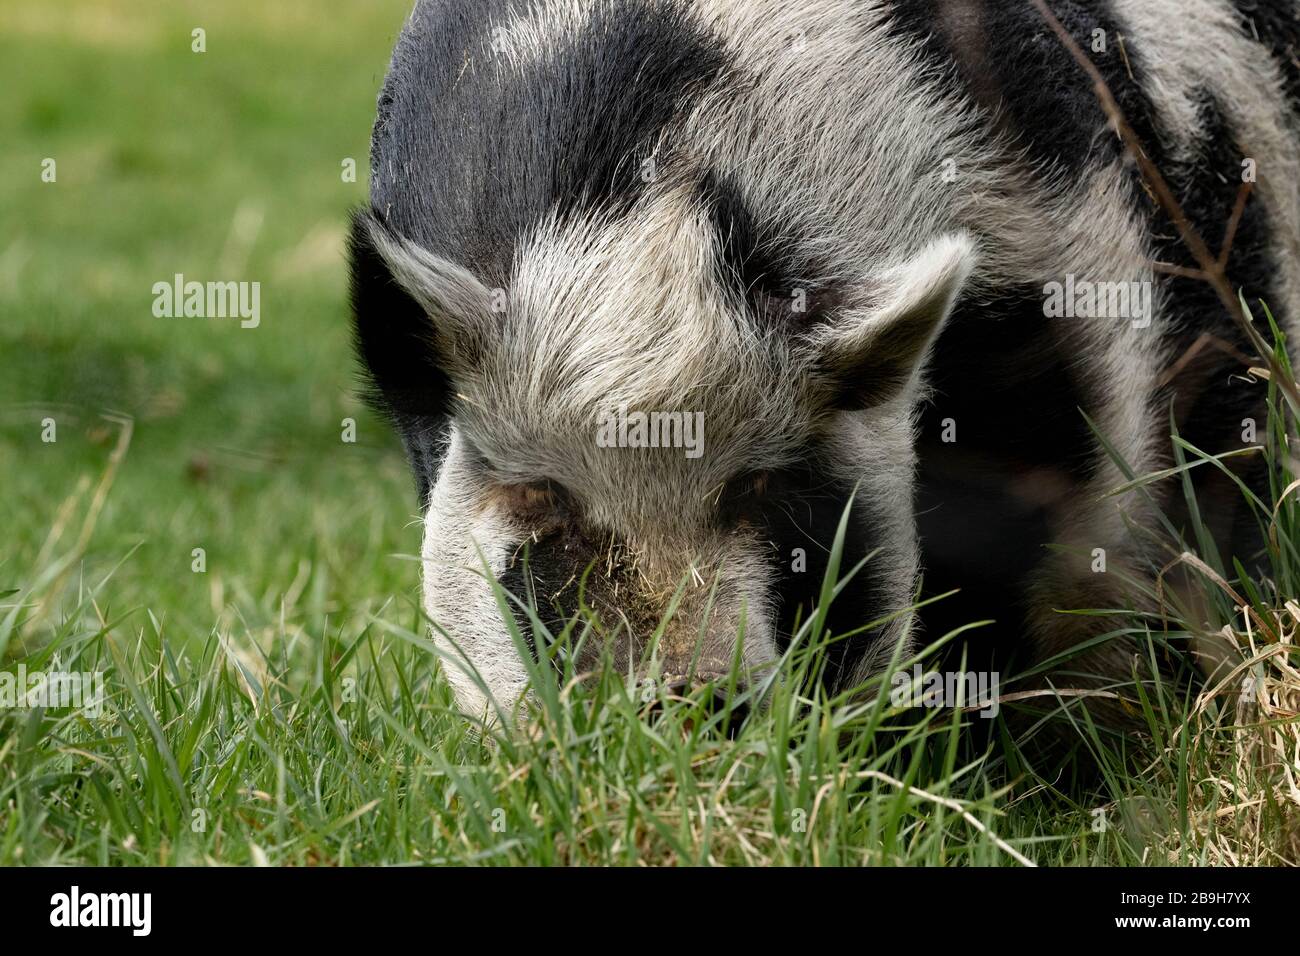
[[1202, 340], [1238, 210], [1168, 268]]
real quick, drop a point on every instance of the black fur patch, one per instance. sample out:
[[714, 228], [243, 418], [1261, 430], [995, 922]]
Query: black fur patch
[[1005, 57], [984, 501], [548, 572], [760, 263], [999, 372], [800, 508], [470, 151], [1276, 24], [393, 340]]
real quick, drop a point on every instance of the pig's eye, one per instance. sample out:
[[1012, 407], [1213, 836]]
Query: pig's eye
[[535, 497], [742, 495]]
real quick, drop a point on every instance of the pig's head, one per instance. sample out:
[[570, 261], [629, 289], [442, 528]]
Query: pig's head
[[538, 338], [529, 412]]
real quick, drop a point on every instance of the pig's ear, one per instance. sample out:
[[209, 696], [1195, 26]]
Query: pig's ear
[[458, 305], [870, 352], [416, 319]]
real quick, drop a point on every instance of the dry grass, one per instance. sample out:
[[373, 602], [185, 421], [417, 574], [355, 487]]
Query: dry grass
[[1238, 753]]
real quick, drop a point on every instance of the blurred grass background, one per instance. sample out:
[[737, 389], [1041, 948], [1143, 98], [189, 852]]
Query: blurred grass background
[[221, 165]]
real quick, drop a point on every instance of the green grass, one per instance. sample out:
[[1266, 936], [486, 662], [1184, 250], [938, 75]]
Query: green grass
[[236, 445], [293, 735], [285, 704]]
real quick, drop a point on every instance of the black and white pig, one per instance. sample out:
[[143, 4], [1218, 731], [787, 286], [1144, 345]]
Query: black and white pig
[[802, 248]]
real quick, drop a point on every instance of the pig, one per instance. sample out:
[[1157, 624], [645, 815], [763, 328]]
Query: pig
[[655, 291]]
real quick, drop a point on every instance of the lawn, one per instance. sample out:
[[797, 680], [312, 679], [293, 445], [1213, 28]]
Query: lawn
[[200, 533]]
